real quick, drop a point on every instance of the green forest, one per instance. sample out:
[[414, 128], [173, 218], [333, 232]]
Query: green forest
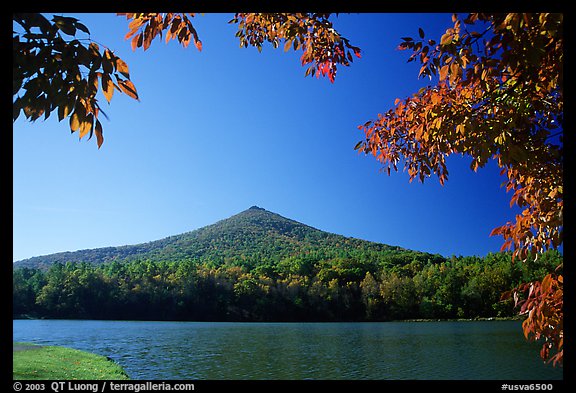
[[307, 287]]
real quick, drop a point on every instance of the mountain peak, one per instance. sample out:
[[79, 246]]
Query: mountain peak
[[255, 234]]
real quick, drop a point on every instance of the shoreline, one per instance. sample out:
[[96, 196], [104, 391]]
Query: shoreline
[[513, 318], [33, 362]]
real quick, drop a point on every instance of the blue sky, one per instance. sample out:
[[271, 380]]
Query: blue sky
[[218, 131]]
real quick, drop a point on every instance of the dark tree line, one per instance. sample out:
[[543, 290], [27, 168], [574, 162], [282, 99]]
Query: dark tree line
[[294, 289]]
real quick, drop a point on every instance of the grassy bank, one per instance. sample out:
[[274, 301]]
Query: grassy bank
[[59, 363]]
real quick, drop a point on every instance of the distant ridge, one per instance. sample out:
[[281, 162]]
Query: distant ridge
[[254, 235]]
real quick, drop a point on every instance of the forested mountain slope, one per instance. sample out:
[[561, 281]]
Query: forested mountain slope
[[260, 266], [251, 237]]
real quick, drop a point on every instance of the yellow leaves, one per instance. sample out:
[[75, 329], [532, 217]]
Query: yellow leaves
[[86, 125], [79, 120], [93, 80], [437, 122], [419, 130], [446, 38], [107, 87], [64, 110], [134, 25], [500, 139], [74, 122], [461, 129], [555, 192]]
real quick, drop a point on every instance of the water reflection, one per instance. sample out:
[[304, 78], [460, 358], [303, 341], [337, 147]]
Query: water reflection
[[395, 350]]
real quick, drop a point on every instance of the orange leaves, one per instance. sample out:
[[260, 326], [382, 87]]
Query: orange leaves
[[322, 46], [418, 131], [122, 67], [145, 27], [128, 88], [538, 190], [542, 303], [481, 109], [435, 98], [455, 73], [408, 132], [113, 66], [98, 131]]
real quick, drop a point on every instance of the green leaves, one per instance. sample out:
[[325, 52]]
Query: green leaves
[[324, 281]]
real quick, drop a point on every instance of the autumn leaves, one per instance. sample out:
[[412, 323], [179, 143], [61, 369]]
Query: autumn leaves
[[64, 75]]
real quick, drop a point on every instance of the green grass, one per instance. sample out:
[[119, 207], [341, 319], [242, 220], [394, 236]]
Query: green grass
[[59, 363]]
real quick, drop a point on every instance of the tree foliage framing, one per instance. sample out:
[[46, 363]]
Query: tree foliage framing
[[499, 97]]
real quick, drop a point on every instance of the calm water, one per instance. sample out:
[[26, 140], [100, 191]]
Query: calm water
[[393, 350]]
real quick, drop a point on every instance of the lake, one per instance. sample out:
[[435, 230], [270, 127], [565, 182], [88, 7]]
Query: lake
[[228, 350]]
